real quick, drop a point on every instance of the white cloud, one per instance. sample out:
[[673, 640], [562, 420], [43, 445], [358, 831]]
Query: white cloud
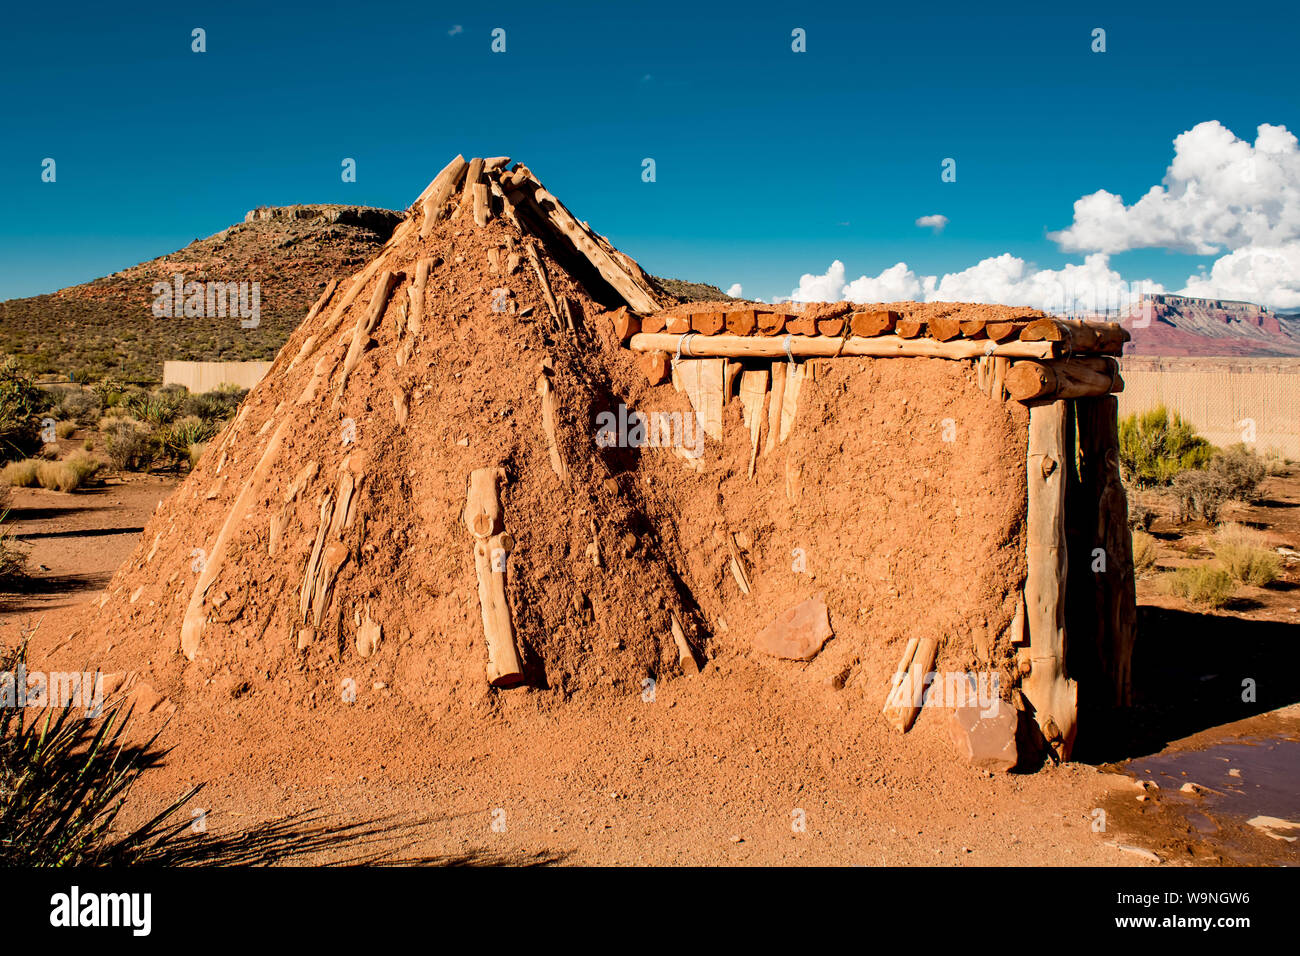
[[1219, 192], [457, 29], [1266, 274], [735, 291], [1004, 279], [935, 222]]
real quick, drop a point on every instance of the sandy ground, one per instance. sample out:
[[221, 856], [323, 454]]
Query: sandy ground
[[689, 777]]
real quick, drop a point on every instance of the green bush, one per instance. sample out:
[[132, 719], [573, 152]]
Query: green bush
[[181, 436], [1156, 445], [1244, 554], [214, 406], [1206, 585], [130, 445], [156, 409], [21, 404], [82, 406]]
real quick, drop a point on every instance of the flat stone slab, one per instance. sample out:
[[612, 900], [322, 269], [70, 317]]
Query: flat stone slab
[[986, 741], [799, 633]]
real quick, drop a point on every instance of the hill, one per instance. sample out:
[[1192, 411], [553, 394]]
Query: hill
[[109, 326], [1176, 325]]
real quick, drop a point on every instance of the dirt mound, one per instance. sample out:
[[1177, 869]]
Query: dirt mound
[[320, 540]]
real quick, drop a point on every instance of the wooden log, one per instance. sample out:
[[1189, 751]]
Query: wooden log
[[439, 193], [771, 323], [495, 163], [702, 380], [800, 325], [907, 694], [708, 323], [472, 176], [790, 397], [1073, 336], [1005, 330], [482, 515], [775, 406], [1114, 599], [333, 558], [753, 391], [879, 322], [998, 384], [742, 321], [1050, 691], [338, 313], [972, 328], [415, 316], [655, 322], [831, 325], [365, 327], [482, 205], [539, 270], [310, 573], [626, 324], [685, 655], [737, 561], [504, 668], [945, 328], [625, 277], [657, 367], [677, 324], [819, 346], [549, 408], [1081, 377], [910, 327]]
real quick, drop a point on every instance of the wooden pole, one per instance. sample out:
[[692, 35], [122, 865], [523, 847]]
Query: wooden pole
[[492, 546], [1080, 377], [1052, 694], [883, 346]]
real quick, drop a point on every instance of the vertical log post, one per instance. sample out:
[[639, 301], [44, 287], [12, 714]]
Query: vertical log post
[[491, 547], [1052, 694]]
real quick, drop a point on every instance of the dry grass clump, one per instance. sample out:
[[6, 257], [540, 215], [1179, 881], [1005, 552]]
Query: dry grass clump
[[67, 475], [1144, 551], [1206, 585], [1244, 554]]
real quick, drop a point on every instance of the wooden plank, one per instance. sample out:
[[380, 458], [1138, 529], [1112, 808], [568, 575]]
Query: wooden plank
[[790, 397], [753, 391]]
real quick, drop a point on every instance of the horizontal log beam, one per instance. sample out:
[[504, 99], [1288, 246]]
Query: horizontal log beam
[[827, 346], [1066, 378]]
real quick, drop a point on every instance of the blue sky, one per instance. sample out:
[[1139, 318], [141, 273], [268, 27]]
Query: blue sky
[[769, 163]]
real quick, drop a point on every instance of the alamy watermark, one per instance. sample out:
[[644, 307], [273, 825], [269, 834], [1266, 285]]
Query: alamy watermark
[[24, 688], [208, 300], [631, 429]]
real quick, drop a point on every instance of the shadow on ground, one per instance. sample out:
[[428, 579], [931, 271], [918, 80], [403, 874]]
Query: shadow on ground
[[1192, 672]]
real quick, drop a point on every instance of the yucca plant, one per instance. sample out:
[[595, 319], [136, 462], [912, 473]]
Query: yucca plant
[[64, 776]]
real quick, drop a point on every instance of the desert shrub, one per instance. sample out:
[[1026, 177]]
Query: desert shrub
[[1244, 554], [181, 436], [13, 555], [155, 408], [1144, 551], [1275, 463], [64, 429], [196, 453], [110, 391], [82, 406], [214, 406], [21, 403], [1156, 445], [1200, 493], [1140, 515], [64, 775], [67, 475], [130, 445], [88, 443], [1207, 585], [20, 474], [1241, 471]]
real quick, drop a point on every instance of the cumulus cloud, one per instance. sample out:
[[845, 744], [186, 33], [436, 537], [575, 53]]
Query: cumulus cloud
[[1265, 274], [935, 222], [734, 290], [1007, 279], [456, 30], [1220, 192]]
